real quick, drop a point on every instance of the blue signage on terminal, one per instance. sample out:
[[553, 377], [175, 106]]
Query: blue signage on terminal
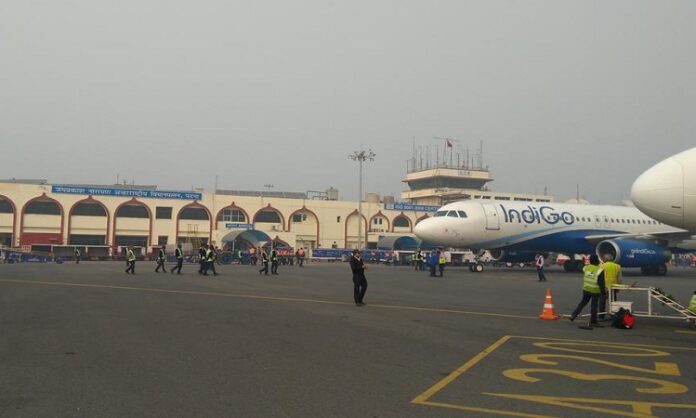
[[107, 191], [409, 206]]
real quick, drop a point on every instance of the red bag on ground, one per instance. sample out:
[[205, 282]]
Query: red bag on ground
[[628, 320]]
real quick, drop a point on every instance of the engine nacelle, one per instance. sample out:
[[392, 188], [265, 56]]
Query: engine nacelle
[[634, 253], [512, 256]]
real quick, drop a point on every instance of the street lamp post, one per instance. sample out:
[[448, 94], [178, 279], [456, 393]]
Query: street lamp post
[[360, 157]]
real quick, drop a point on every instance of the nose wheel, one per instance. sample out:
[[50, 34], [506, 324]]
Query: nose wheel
[[476, 268]]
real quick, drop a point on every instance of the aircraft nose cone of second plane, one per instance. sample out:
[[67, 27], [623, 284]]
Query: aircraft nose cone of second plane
[[424, 230], [659, 192]]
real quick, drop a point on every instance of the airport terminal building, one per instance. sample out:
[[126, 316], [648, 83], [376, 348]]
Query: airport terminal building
[[37, 215]]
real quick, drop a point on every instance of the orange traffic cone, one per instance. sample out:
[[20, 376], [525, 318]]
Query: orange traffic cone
[[548, 312]]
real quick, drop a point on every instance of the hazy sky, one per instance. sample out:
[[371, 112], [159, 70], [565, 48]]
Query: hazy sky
[[174, 92]]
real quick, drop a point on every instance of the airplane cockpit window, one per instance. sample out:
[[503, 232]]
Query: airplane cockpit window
[[440, 213], [452, 214], [462, 214]]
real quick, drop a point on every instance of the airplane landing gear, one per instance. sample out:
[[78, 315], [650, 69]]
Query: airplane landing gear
[[658, 270], [476, 268]]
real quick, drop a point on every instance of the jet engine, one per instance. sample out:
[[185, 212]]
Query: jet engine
[[649, 256]]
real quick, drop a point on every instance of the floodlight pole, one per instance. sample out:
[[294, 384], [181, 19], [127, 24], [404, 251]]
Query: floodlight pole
[[360, 157]]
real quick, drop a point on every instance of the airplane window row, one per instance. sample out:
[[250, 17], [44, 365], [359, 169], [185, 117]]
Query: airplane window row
[[622, 221]]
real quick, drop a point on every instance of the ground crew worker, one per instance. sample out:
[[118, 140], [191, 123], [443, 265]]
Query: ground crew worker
[[201, 260], [274, 261], [359, 281], [252, 255], [692, 303], [441, 261], [161, 257], [77, 255], [592, 289], [179, 255], [539, 263], [612, 276], [210, 256], [264, 262], [432, 263], [300, 259], [418, 259], [130, 261]]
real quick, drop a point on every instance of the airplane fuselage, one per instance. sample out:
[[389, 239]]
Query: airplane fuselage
[[531, 226]]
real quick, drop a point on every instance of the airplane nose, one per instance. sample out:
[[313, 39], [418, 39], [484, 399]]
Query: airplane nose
[[659, 192], [422, 231]]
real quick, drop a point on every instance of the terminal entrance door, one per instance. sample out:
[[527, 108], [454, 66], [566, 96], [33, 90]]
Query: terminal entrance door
[[492, 218]]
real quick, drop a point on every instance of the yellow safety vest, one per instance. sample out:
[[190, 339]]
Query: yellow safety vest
[[590, 275], [692, 304], [612, 273], [131, 255], [442, 260]]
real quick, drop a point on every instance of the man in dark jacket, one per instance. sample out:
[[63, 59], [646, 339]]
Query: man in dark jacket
[[359, 280], [264, 262], [161, 257], [179, 255]]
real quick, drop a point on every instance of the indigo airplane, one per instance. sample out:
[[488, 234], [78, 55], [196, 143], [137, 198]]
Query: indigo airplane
[[667, 191], [516, 231]]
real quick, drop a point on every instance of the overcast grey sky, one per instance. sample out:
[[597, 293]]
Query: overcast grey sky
[[174, 92]]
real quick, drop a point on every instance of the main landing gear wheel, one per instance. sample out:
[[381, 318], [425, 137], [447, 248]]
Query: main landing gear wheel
[[659, 270], [477, 268]]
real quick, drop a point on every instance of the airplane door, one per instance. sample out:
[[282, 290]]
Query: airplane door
[[492, 218], [606, 222], [597, 221]]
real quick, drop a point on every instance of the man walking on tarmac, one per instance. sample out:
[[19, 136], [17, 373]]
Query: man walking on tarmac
[[359, 281], [161, 257], [592, 289], [130, 261], [441, 261], [417, 259], [77, 255], [612, 276], [179, 255], [201, 260], [432, 263], [274, 261], [210, 257], [264, 261], [539, 263]]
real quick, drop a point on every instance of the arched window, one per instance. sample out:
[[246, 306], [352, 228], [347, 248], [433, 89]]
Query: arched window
[[267, 216], [132, 211], [42, 207], [5, 206], [231, 215], [88, 209], [194, 213], [401, 222]]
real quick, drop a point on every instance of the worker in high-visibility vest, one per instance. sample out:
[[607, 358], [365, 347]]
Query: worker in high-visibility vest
[[417, 258], [441, 261], [274, 261], [592, 289], [130, 259], [692, 304], [612, 276], [161, 258]]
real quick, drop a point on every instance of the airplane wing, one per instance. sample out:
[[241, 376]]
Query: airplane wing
[[665, 235]]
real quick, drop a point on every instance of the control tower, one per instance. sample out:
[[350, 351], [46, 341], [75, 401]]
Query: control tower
[[450, 178]]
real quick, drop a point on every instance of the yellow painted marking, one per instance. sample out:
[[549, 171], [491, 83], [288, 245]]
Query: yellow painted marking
[[640, 409], [603, 343], [664, 387], [661, 368], [267, 298], [621, 349], [681, 331], [463, 368]]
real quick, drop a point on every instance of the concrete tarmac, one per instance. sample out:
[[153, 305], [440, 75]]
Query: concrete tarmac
[[88, 340]]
